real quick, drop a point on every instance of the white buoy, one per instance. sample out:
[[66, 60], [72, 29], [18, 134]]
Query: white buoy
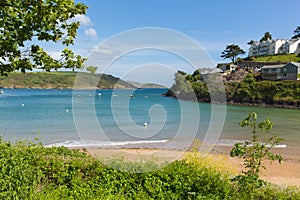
[[67, 111], [22, 105], [99, 94], [146, 97], [145, 124]]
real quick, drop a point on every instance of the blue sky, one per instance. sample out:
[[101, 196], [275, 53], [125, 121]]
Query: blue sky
[[213, 24]]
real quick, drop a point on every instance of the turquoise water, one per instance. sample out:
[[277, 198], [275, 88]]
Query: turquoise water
[[149, 119]]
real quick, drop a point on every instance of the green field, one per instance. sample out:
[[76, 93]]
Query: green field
[[45, 80], [277, 58]]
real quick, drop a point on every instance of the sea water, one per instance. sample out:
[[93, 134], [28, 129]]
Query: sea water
[[135, 118]]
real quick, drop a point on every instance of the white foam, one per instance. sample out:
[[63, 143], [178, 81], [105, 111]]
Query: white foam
[[102, 144]]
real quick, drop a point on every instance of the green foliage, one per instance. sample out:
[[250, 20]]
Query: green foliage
[[31, 171], [256, 150], [201, 91], [249, 78], [60, 80], [232, 51], [23, 21], [296, 33], [249, 91], [267, 36], [91, 69], [250, 42], [182, 88]]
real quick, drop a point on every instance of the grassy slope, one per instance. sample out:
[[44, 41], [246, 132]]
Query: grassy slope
[[146, 85], [60, 80], [278, 58]]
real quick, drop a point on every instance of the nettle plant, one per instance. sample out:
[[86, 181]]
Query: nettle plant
[[255, 151]]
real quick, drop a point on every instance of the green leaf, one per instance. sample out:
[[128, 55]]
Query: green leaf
[[45, 21]]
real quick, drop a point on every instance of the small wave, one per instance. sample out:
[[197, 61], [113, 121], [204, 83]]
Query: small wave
[[102, 144], [229, 142]]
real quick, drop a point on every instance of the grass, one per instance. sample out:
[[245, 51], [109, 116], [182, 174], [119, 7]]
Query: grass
[[30, 171], [278, 58], [45, 80]]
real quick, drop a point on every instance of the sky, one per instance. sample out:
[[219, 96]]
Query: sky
[[212, 24]]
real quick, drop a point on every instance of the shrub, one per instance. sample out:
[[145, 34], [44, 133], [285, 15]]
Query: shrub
[[31, 171], [255, 151]]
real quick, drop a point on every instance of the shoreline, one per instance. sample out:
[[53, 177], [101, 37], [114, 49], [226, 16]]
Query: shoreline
[[285, 174], [281, 105]]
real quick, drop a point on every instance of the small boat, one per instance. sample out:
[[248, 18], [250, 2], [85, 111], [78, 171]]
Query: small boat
[[1, 91]]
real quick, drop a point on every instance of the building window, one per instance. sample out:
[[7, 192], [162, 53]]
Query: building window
[[279, 76], [284, 69], [294, 68], [285, 75]]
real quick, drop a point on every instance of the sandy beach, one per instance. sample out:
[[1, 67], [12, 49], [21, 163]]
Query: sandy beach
[[287, 173]]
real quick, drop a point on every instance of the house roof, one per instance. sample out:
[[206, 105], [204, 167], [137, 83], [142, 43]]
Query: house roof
[[216, 70], [280, 66], [255, 43], [292, 41], [296, 64], [272, 66], [211, 71]]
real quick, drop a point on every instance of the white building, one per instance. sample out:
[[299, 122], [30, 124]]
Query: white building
[[272, 47]]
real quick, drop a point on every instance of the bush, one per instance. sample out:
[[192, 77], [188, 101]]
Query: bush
[[253, 152], [30, 171]]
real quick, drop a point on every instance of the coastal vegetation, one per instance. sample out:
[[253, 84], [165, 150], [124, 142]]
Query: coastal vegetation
[[249, 91], [255, 151], [91, 69], [65, 80], [275, 58], [31, 171], [232, 51], [43, 80]]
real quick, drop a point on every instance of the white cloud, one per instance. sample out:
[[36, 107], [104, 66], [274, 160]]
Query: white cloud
[[229, 32], [84, 20], [90, 32], [55, 54], [102, 50]]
